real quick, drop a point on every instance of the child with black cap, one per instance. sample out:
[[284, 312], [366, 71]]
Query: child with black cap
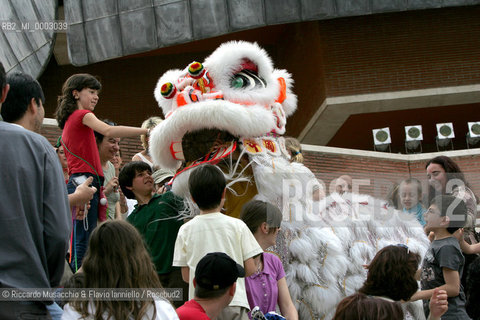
[[215, 284], [212, 231]]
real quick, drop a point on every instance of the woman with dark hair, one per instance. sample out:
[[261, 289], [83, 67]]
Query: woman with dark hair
[[117, 258], [391, 274], [445, 177]]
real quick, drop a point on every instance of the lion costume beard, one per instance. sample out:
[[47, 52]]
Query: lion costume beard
[[231, 111]]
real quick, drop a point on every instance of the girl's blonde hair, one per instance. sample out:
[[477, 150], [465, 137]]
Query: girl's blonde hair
[[295, 148], [150, 123], [66, 103]]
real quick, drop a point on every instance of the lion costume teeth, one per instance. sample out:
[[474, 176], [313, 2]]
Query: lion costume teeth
[[236, 95]]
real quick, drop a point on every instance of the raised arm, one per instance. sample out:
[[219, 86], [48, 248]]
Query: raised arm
[[90, 120], [451, 286], [466, 248]]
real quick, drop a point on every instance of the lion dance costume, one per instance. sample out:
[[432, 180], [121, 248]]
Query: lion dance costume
[[231, 111]]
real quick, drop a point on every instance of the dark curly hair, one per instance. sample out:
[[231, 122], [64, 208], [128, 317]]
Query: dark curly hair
[[66, 103], [391, 274], [361, 306]]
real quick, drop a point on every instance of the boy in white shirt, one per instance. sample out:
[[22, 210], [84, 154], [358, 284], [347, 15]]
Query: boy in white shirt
[[212, 231]]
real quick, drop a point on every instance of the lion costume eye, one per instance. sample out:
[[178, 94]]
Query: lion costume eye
[[246, 79]]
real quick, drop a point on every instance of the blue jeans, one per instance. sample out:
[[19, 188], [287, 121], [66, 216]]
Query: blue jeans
[[83, 228]]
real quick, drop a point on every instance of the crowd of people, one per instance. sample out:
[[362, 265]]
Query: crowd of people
[[114, 226]]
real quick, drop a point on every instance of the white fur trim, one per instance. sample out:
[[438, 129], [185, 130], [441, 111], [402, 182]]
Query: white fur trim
[[302, 250], [213, 114], [353, 283], [322, 300]]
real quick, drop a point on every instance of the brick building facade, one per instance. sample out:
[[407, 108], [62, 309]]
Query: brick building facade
[[375, 172], [352, 74]]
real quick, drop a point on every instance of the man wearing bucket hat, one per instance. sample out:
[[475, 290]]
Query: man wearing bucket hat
[[215, 285], [161, 177]]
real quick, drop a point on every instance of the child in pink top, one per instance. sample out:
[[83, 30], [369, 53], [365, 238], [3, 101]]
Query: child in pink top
[[267, 287]]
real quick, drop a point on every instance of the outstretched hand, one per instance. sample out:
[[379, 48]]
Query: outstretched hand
[[438, 304]]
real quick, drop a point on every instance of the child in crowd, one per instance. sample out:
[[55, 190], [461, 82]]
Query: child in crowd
[[157, 219], [264, 220], [443, 263], [215, 281], [212, 231], [143, 155], [75, 116], [294, 149], [410, 195], [117, 258], [392, 197]]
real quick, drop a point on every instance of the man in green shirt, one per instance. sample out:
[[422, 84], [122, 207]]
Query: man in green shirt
[[157, 219]]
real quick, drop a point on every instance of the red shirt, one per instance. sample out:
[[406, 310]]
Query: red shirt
[[191, 310], [80, 140]]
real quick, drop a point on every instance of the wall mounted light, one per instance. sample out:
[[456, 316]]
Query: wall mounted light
[[382, 139], [445, 134], [473, 134], [413, 139]]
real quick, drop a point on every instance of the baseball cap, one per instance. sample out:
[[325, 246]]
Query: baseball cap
[[217, 270], [162, 174]]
